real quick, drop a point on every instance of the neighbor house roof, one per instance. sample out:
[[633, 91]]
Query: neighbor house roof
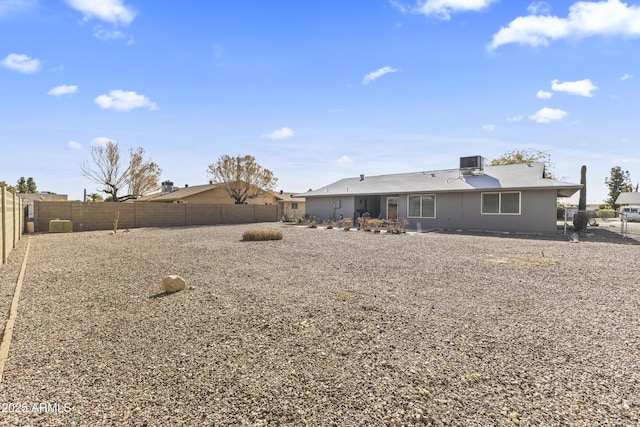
[[527, 176], [628, 198], [184, 192], [288, 197]]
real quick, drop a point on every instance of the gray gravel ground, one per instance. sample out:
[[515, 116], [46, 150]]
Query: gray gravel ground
[[324, 327]]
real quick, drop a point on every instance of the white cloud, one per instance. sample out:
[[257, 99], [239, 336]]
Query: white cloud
[[22, 63], [626, 77], [344, 160], [101, 141], [515, 118], [580, 87], [489, 128], [542, 94], [113, 11], [73, 145], [538, 8], [63, 90], [121, 100], [585, 19], [280, 134], [548, 115], [444, 8], [377, 74]]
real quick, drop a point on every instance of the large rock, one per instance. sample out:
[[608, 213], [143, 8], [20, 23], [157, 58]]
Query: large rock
[[173, 283]]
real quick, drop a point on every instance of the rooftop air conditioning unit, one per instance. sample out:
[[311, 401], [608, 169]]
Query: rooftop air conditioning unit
[[471, 164]]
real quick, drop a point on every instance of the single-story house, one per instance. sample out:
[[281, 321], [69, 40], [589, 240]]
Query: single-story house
[[516, 198], [628, 198], [204, 194], [290, 204]]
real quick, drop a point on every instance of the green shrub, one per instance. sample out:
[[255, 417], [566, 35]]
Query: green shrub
[[261, 235]]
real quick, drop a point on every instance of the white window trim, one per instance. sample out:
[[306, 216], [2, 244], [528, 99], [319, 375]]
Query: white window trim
[[422, 195], [500, 193]]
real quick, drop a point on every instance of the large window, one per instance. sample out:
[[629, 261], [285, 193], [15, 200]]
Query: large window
[[501, 203], [422, 206]]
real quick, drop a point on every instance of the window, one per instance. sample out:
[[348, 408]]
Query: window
[[501, 203], [294, 205], [422, 206]]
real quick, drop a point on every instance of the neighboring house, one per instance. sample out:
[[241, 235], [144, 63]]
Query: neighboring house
[[43, 196], [290, 205], [506, 198], [628, 198], [203, 194]]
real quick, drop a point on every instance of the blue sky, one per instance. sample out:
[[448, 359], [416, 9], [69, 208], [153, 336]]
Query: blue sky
[[317, 91]]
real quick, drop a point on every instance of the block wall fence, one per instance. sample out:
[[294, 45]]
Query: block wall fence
[[11, 222], [90, 216]]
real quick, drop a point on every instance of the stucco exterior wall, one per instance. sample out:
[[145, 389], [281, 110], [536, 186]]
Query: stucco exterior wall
[[458, 211]]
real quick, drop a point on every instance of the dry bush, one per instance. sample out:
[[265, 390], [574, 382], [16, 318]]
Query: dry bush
[[261, 235]]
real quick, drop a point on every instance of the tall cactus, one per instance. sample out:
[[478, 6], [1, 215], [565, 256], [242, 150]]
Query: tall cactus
[[581, 218], [582, 203]]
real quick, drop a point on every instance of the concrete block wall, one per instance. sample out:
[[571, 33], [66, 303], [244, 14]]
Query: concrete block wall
[[89, 216], [11, 222]]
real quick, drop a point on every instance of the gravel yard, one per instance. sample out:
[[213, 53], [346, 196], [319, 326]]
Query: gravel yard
[[324, 327]]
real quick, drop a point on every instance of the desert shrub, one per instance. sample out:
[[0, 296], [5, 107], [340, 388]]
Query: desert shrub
[[346, 223], [261, 235], [398, 226], [286, 218], [329, 224], [364, 224], [605, 213], [312, 222], [376, 224]]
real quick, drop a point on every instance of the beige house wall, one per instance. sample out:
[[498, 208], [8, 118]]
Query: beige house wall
[[217, 195], [286, 208]]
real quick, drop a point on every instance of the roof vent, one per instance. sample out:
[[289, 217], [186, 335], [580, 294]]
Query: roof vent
[[361, 177]]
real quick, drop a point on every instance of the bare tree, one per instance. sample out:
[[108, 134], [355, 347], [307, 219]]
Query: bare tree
[[241, 177], [109, 171], [143, 174]]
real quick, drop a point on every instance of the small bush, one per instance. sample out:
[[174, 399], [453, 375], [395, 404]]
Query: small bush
[[398, 226], [261, 235], [346, 223]]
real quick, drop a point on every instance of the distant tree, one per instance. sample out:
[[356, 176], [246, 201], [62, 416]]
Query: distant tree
[[22, 186], [526, 156], [108, 170], [241, 177], [31, 186], [143, 174], [95, 197], [26, 186], [618, 181], [10, 188]]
